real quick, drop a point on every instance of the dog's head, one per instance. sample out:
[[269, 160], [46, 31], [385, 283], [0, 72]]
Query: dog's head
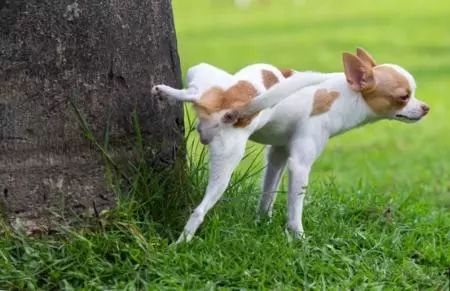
[[388, 90]]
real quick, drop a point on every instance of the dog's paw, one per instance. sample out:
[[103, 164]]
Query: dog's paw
[[294, 235], [184, 238], [263, 219], [156, 90], [161, 91]]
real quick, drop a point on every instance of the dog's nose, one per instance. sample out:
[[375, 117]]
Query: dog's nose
[[425, 109]]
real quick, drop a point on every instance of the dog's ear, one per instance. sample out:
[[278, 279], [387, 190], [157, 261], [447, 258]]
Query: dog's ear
[[359, 75], [364, 56], [230, 117]]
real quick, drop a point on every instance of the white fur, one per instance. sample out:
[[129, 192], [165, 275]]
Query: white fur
[[295, 138]]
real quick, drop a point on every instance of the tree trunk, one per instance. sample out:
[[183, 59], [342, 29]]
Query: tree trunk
[[102, 56]]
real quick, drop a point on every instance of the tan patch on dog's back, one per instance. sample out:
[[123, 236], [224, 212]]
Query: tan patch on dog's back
[[210, 102], [390, 85], [323, 101], [286, 72], [269, 78], [242, 94], [217, 99], [239, 94]]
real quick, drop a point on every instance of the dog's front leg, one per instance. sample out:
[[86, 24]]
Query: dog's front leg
[[304, 152], [223, 160], [298, 182]]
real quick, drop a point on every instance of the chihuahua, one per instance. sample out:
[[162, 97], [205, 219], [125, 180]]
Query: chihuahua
[[294, 114]]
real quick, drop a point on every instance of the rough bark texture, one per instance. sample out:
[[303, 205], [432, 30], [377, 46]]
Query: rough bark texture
[[104, 56]]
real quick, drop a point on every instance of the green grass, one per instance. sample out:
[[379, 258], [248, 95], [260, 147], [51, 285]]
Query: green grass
[[377, 214]]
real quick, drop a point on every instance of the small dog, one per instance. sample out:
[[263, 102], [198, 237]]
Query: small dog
[[220, 98], [295, 118]]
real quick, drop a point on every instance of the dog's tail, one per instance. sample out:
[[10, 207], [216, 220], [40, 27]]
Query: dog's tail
[[283, 89]]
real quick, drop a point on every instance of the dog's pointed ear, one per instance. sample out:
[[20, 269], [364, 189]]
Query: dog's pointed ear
[[359, 75], [364, 56], [230, 117]]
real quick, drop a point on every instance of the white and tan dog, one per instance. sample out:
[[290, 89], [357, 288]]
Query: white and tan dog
[[295, 117]]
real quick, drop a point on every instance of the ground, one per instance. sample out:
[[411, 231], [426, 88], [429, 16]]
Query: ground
[[378, 207]]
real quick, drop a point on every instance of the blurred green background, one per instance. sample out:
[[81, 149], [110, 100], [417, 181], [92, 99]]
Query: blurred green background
[[389, 156]]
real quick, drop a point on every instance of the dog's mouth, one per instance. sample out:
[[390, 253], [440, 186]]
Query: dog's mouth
[[407, 117]]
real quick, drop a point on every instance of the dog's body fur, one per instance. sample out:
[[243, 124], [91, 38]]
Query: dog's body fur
[[295, 118]]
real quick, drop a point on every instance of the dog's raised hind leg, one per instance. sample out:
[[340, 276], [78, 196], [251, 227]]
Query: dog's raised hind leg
[[190, 94]]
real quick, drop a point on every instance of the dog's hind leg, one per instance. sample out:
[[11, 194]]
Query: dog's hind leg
[[276, 162], [190, 94], [224, 157]]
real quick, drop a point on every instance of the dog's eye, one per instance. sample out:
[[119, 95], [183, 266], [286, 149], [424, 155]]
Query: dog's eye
[[404, 97]]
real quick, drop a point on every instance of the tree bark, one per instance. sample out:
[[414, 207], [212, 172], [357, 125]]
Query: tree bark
[[102, 56]]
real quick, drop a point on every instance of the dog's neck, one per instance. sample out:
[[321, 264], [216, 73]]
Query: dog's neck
[[349, 110]]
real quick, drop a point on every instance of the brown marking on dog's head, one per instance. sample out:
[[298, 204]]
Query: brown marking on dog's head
[[323, 101], [390, 93], [286, 72], [269, 78], [383, 88]]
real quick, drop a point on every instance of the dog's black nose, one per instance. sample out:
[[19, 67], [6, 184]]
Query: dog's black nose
[[425, 109]]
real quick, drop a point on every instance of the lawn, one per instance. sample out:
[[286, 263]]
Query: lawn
[[378, 210]]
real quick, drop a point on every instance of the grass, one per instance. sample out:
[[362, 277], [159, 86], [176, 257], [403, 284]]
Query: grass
[[377, 215]]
